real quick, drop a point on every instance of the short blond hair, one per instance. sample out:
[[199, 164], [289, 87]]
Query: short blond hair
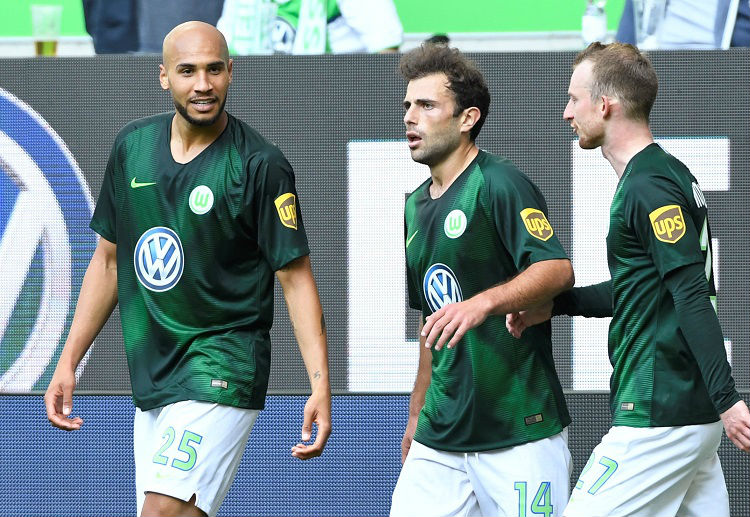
[[621, 71]]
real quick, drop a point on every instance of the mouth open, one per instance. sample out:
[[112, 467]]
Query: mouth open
[[203, 104], [413, 138]]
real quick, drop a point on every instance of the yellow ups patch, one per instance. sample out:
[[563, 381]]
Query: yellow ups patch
[[668, 223], [536, 223], [286, 206]]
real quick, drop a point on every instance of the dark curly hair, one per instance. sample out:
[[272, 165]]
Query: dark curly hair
[[464, 78]]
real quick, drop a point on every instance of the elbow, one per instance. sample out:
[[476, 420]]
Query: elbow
[[567, 276]]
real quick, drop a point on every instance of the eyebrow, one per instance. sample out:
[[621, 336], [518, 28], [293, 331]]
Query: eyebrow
[[422, 101], [192, 65]]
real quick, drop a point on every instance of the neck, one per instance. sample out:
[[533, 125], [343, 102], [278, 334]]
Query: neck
[[624, 141], [445, 173], [189, 136]]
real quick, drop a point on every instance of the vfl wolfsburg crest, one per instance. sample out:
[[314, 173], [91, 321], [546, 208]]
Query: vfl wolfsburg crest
[[455, 224], [201, 200], [45, 245]]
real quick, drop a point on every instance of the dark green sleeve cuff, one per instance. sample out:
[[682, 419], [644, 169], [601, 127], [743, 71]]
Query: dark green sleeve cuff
[[592, 301]]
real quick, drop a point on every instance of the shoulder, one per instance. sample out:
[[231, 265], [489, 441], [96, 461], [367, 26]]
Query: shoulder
[[152, 125], [252, 146], [499, 173], [656, 166], [411, 199]]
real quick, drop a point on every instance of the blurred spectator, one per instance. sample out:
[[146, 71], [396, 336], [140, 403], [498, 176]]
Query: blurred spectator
[[698, 24], [157, 17], [741, 32], [112, 25], [119, 26], [328, 26]]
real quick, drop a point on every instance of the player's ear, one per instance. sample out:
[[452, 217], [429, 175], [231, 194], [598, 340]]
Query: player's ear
[[163, 79], [469, 118], [606, 106], [229, 69]]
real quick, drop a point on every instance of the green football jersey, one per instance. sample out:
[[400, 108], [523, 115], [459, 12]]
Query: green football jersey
[[658, 223], [491, 390], [197, 247]]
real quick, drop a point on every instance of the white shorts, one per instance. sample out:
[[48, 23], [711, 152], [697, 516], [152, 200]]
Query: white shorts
[[190, 448], [653, 471], [533, 477]]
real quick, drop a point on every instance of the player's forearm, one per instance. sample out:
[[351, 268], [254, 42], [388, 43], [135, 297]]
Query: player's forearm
[[96, 301], [592, 301], [422, 382], [539, 283], [308, 322], [702, 332]]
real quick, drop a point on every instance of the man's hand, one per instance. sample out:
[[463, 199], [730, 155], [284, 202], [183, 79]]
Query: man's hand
[[453, 321], [411, 428], [517, 322], [318, 411], [59, 400], [736, 422]]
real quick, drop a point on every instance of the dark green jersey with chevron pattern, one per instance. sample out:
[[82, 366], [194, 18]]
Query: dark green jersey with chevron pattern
[[658, 223], [491, 390], [197, 247]]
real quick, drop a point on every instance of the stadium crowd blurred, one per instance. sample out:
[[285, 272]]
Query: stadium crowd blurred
[[345, 26]]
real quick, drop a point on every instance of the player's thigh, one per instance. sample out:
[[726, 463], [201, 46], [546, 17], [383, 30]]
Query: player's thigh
[[528, 479], [160, 505], [433, 483], [190, 448], [642, 471], [707, 494]]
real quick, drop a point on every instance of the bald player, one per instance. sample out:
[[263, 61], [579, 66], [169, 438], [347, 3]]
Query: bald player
[[196, 213]]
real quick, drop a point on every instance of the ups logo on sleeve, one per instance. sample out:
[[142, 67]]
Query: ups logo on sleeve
[[668, 223], [286, 206], [536, 223]]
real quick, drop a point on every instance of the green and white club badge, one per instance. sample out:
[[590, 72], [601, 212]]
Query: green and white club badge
[[455, 224], [201, 200]]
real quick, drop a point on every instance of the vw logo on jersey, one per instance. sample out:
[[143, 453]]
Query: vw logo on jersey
[[441, 287], [159, 259], [45, 245]]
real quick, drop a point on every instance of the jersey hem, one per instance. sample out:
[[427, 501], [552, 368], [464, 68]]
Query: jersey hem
[[147, 405], [493, 446]]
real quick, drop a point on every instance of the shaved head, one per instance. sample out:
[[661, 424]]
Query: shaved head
[[197, 70], [191, 37]]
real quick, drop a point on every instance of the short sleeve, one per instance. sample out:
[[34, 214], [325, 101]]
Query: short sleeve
[[104, 220], [281, 233], [520, 213], [659, 214]]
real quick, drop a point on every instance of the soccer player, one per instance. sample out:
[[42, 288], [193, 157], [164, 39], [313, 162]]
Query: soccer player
[[671, 383], [487, 419], [196, 213]]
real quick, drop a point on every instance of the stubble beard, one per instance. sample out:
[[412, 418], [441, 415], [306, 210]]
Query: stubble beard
[[441, 149], [182, 110]]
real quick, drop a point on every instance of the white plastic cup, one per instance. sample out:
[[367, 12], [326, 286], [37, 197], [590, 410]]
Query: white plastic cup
[[46, 22]]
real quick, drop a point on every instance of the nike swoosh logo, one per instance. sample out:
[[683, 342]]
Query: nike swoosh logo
[[135, 184], [408, 241]]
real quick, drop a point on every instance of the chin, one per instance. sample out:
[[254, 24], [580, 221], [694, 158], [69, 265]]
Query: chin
[[585, 143]]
